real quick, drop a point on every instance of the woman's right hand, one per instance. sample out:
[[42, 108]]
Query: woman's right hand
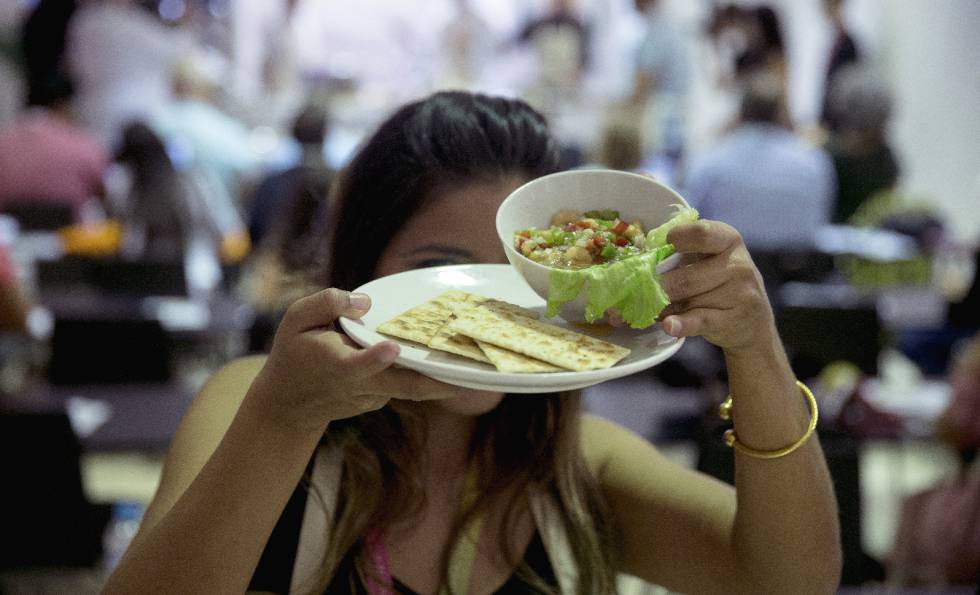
[[314, 374]]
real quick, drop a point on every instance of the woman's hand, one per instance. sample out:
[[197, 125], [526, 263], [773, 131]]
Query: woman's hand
[[315, 375], [721, 296]]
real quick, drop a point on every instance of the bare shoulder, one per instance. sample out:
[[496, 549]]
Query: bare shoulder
[[604, 443], [201, 430]]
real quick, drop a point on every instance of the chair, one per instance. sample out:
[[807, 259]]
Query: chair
[[142, 278], [45, 518], [779, 267], [66, 274], [824, 323], [113, 276], [40, 216], [816, 336], [109, 350]]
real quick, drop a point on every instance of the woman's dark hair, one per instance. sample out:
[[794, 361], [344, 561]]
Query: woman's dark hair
[[449, 138]]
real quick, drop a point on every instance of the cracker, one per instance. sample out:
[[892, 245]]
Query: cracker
[[511, 362], [427, 323], [419, 324], [447, 340], [546, 342], [450, 342]]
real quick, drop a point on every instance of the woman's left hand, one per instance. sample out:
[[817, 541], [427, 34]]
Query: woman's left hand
[[721, 296]]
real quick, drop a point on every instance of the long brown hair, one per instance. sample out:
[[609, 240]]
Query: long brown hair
[[527, 442]]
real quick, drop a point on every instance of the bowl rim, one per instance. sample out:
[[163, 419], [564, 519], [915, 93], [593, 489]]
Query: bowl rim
[[508, 244]]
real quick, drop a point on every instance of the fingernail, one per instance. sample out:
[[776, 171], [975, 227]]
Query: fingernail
[[389, 352], [673, 326], [360, 301]]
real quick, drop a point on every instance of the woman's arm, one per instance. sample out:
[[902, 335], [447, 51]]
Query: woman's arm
[[778, 531], [232, 467], [207, 536]]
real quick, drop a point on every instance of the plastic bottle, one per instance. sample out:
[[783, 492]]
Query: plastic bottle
[[119, 532]]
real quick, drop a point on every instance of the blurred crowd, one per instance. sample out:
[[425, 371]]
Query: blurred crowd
[[186, 123], [209, 133]]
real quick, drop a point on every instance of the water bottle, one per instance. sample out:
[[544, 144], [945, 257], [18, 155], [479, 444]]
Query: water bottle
[[119, 532]]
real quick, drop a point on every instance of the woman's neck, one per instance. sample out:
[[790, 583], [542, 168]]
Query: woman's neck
[[447, 444]]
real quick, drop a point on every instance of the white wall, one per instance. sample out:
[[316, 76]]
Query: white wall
[[931, 52]]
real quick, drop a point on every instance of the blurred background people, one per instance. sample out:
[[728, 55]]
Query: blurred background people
[[274, 195], [621, 146], [173, 215], [200, 133], [959, 425], [660, 82], [750, 39], [284, 267], [14, 305], [120, 56], [288, 220], [469, 46], [860, 105], [771, 185], [264, 81], [938, 543], [46, 158], [42, 43], [843, 51], [156, 216], [560, 41]]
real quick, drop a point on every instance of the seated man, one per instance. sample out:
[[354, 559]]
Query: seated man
[[43, 141], [763, 180]]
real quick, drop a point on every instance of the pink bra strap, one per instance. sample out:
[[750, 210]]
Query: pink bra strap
[[378, 553]]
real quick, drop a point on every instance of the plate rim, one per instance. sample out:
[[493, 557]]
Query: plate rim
[[446, 372]]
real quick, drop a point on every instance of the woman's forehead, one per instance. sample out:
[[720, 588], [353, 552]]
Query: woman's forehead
[[468, 201]]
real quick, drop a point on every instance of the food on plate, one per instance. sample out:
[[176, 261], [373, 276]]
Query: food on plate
[[542, 341], [499, 333], [576, 240], [514, 363], [427, 323], [613, 261]]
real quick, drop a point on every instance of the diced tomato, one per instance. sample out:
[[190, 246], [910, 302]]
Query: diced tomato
[[524, 234], [621, 242], [599, 241], [620, 227], [586, 224]]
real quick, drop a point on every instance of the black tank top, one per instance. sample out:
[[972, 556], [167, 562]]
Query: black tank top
[[274, 572]]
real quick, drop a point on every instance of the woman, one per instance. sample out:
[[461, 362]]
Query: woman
[[423, 191]]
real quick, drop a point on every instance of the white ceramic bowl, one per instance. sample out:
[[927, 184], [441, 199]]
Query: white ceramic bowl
[[636, 197]]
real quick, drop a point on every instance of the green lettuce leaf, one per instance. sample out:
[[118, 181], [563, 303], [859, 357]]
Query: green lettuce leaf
[[657, 237], [631, 285]]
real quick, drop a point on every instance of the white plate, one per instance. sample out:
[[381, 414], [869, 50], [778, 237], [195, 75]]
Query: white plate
[[392, 295]]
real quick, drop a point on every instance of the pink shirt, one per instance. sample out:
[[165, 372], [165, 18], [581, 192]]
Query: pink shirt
[[44, 159], [8, 272]]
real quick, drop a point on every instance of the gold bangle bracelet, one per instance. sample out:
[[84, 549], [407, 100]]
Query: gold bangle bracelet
[[725, 412]]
